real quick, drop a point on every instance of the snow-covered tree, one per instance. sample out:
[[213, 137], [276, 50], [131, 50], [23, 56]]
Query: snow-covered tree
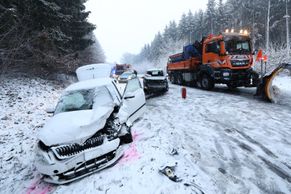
[[43, 34], [211, 16]]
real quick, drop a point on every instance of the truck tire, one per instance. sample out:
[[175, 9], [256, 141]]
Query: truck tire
[[206, 82], [231, 86], [179, 79], [172, 78]]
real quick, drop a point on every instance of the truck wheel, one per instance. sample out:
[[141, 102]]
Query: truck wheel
[[231, 86], [206, 82], [179, 79], [172, 79]]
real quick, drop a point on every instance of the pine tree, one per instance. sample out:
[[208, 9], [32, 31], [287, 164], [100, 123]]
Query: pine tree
[[43, 33], [183, 28], [78, 26], [157, 48], [211, 17], [221, 17]]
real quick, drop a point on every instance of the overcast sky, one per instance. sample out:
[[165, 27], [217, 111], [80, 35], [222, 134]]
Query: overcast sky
[[126, 25]]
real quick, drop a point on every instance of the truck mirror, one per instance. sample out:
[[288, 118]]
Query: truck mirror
[[222, 49]]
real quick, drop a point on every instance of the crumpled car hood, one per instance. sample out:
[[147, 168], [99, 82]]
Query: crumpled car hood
[[75, 126]]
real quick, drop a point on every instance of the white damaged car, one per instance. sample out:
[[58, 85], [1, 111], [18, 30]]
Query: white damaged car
[[91, 122]]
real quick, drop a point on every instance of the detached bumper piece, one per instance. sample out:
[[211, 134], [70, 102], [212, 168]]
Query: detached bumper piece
[[64, 164]]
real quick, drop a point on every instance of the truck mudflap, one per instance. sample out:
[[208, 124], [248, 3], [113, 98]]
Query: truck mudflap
[[276, 86]]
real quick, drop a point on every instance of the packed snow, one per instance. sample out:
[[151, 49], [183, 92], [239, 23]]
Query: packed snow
[[218, 142]]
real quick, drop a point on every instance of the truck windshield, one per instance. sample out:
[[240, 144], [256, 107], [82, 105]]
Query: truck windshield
[[234, 46]]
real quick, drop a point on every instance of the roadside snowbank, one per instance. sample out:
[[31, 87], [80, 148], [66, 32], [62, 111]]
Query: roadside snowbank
[[23, 102]]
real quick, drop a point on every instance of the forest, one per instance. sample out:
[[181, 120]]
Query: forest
[[55, 36], [251, 15], [45, 36]]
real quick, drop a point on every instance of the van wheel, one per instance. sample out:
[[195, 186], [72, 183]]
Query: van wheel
[[206, 82]]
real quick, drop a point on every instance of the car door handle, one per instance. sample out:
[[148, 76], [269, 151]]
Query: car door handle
[[128, 97]]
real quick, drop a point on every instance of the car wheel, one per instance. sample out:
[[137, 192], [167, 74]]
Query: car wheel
[[126, 138], [206, 82]]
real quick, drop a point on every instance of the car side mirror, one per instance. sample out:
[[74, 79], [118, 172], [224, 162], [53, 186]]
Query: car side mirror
[[50, 110]]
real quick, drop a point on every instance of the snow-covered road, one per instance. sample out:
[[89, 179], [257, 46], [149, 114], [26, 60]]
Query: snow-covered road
[[226, 142]]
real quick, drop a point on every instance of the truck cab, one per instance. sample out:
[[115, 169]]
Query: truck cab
[[227, 58], [223, 59]]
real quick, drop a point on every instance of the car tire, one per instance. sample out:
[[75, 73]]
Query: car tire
[[126, 138]]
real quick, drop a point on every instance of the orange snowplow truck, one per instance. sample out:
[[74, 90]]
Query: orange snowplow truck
[[226, 59]]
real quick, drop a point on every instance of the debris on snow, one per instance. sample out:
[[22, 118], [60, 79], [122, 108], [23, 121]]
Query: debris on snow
[[169, 171]]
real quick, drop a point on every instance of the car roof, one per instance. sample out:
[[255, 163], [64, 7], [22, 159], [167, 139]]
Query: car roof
[[90, 84]]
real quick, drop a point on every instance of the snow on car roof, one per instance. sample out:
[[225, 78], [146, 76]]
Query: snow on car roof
[[89, 84]]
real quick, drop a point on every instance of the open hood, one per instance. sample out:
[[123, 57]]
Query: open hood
[[75, 126]]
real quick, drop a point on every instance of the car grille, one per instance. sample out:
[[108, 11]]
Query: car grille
[[66, 151]]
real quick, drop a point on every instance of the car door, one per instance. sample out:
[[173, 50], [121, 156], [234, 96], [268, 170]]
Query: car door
[[133, 102]]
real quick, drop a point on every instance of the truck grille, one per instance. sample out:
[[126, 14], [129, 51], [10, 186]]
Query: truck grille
[[155, 82], [240, 63], [66, 151]]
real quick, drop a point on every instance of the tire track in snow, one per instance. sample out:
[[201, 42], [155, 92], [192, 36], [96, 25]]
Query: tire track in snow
[[276, 169], [273, 166], [266, 150]]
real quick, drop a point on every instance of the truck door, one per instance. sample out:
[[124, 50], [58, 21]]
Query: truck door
[[211, 54]]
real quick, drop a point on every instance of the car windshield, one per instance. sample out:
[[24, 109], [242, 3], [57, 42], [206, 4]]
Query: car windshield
[[156, 73], [125, 75], [76, 100], [83, 100], [236, 46]]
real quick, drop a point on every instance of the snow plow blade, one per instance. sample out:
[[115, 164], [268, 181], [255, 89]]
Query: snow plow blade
[[276, 86]]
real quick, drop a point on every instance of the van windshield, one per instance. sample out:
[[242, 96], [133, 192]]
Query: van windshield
[[238, 46]]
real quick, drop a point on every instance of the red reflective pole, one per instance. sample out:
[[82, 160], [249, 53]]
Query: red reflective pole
[[184, 92]]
